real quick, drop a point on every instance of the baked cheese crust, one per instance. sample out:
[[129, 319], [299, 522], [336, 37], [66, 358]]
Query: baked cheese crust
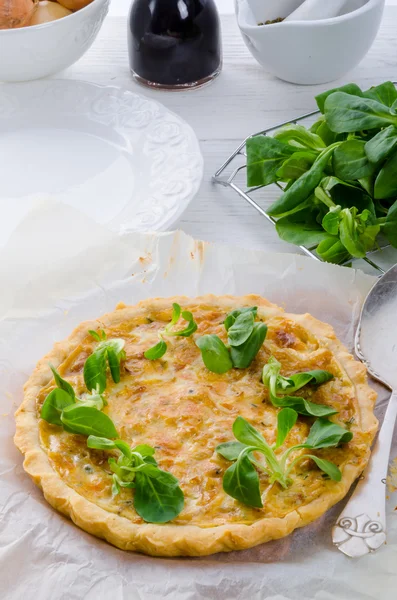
[[184, 411]]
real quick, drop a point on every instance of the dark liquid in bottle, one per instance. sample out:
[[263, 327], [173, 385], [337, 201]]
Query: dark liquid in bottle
[[174, 42]]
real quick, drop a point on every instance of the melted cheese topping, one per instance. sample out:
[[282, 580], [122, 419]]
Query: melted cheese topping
[[177, 406]]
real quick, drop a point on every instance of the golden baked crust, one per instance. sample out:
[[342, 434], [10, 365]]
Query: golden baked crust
[[176, 405]]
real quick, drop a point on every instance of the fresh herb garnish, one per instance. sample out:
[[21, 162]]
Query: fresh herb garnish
[[157, 496], [243, 355], [280, 387], [54, 405], [156, 351], [76, 415], [108, 353], [160, 348], [87, 420], [241, 329], [215, 354], [245, 338], [61, 383], [339, 176], [241, 480]]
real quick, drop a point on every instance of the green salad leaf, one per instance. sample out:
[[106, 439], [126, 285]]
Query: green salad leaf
[[350, 88], [301, 189], [87, 420], [381, 145], [54, 404], [157, 495], [385, 93], [286, 420], [296, 166], [108, 353], [158, 351], [240, 331], [243, 355], [265, 156], [325, 434], [339, 177], [347, 114], [386, 180], [350, 161], [61, 383], [76, 414], [231, 317], [245, 339], [241, 480], [300, 137], [215, 354], [280, 387]]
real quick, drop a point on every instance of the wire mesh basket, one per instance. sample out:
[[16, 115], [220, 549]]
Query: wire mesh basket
[[233, 174]]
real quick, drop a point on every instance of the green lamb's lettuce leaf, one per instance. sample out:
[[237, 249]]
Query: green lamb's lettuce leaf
[[158, 350], [299, 137], [157, 495], [61, 383], [345, 165], [241, 480], [286, 420], [215, 354], [245, 338], [54, 404], [350, 161], [280, 387], [350, 88], [325, 434], [301, 189], [243, 355], [87, 420], [107, 353], [241, 329], [385, 93], [296, 166], [386, 180], [346, 113], [265, 156], [381, 145], [231, 317], [77, 415], [332, 250]]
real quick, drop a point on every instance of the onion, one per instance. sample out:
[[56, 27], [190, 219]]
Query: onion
[[75, 4], [48, 11], [16, 13]]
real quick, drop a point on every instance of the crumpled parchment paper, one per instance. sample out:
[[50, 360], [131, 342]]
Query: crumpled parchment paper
[[59, 268]]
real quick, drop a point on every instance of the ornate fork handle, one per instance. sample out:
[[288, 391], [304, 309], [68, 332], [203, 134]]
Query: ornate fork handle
[[361, 528]]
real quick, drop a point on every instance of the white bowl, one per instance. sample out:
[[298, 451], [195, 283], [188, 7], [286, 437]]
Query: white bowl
[[312, 52], [34, 52]]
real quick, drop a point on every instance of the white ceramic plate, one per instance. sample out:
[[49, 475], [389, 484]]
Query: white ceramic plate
[[119, 157]]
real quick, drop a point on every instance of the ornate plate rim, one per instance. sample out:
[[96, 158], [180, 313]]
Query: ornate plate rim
[[189, 136]]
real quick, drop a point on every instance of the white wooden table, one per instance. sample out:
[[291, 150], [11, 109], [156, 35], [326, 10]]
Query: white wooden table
[[244, 99]]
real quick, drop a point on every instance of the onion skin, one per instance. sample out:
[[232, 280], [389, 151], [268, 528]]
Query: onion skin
[[16, 13], [74, 4], [48, 11]]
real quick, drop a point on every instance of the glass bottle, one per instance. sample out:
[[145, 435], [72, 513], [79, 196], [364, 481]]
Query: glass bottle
[[174, 44]]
